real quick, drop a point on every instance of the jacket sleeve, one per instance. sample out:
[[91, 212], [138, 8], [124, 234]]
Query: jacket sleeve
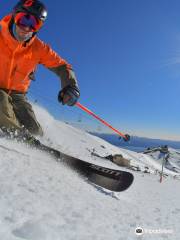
[[66, 75], [51, 60]]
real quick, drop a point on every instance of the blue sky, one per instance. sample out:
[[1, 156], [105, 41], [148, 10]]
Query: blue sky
[[126, 55]]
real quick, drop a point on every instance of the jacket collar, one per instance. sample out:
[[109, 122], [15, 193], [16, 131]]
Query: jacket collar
[[11, 41]]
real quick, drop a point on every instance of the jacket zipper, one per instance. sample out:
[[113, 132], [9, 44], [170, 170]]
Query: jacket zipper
[[12, 70]]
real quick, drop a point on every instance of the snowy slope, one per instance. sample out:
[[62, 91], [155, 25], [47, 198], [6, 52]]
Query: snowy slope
[[41, 199]]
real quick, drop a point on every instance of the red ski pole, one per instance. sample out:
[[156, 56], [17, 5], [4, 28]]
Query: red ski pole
[[126, 137]]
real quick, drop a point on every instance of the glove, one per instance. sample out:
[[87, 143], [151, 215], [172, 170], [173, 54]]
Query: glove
[[69, 95]]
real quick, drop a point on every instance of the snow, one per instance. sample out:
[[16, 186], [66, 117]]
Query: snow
[[41, 199]]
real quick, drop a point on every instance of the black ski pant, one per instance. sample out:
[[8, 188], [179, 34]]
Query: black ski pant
[[17, 112]]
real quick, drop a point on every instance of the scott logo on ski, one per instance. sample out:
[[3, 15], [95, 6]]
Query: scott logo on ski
[[105, 170]]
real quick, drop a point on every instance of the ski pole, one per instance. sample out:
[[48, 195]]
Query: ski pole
[[126, 137], [162, 170]]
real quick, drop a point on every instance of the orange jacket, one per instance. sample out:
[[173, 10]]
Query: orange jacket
[[18, 61]]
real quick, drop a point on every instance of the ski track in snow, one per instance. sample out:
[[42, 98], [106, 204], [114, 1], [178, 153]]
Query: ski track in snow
[[41, 199]]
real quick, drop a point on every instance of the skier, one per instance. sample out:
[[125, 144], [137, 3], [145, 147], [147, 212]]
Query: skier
[[21, 52]]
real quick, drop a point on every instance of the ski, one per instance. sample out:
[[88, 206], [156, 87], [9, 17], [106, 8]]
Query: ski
[[111, 179]]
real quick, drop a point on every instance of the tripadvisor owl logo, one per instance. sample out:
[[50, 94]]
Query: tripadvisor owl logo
[[139, 231]]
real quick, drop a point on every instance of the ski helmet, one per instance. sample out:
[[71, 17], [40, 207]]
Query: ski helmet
[[34, 7]]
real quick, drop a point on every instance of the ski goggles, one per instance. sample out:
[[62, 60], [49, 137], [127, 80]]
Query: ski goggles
[[27, 20]]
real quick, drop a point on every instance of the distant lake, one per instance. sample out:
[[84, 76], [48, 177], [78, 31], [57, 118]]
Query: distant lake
[[137, 144], [135, 149]]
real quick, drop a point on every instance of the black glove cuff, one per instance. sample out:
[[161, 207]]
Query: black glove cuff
[[72, 91]]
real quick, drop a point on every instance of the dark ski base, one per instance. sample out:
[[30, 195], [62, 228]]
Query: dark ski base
[[114, 180], [111, 179]]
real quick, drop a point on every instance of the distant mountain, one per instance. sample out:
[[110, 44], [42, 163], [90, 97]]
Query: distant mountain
[[136, 143]]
